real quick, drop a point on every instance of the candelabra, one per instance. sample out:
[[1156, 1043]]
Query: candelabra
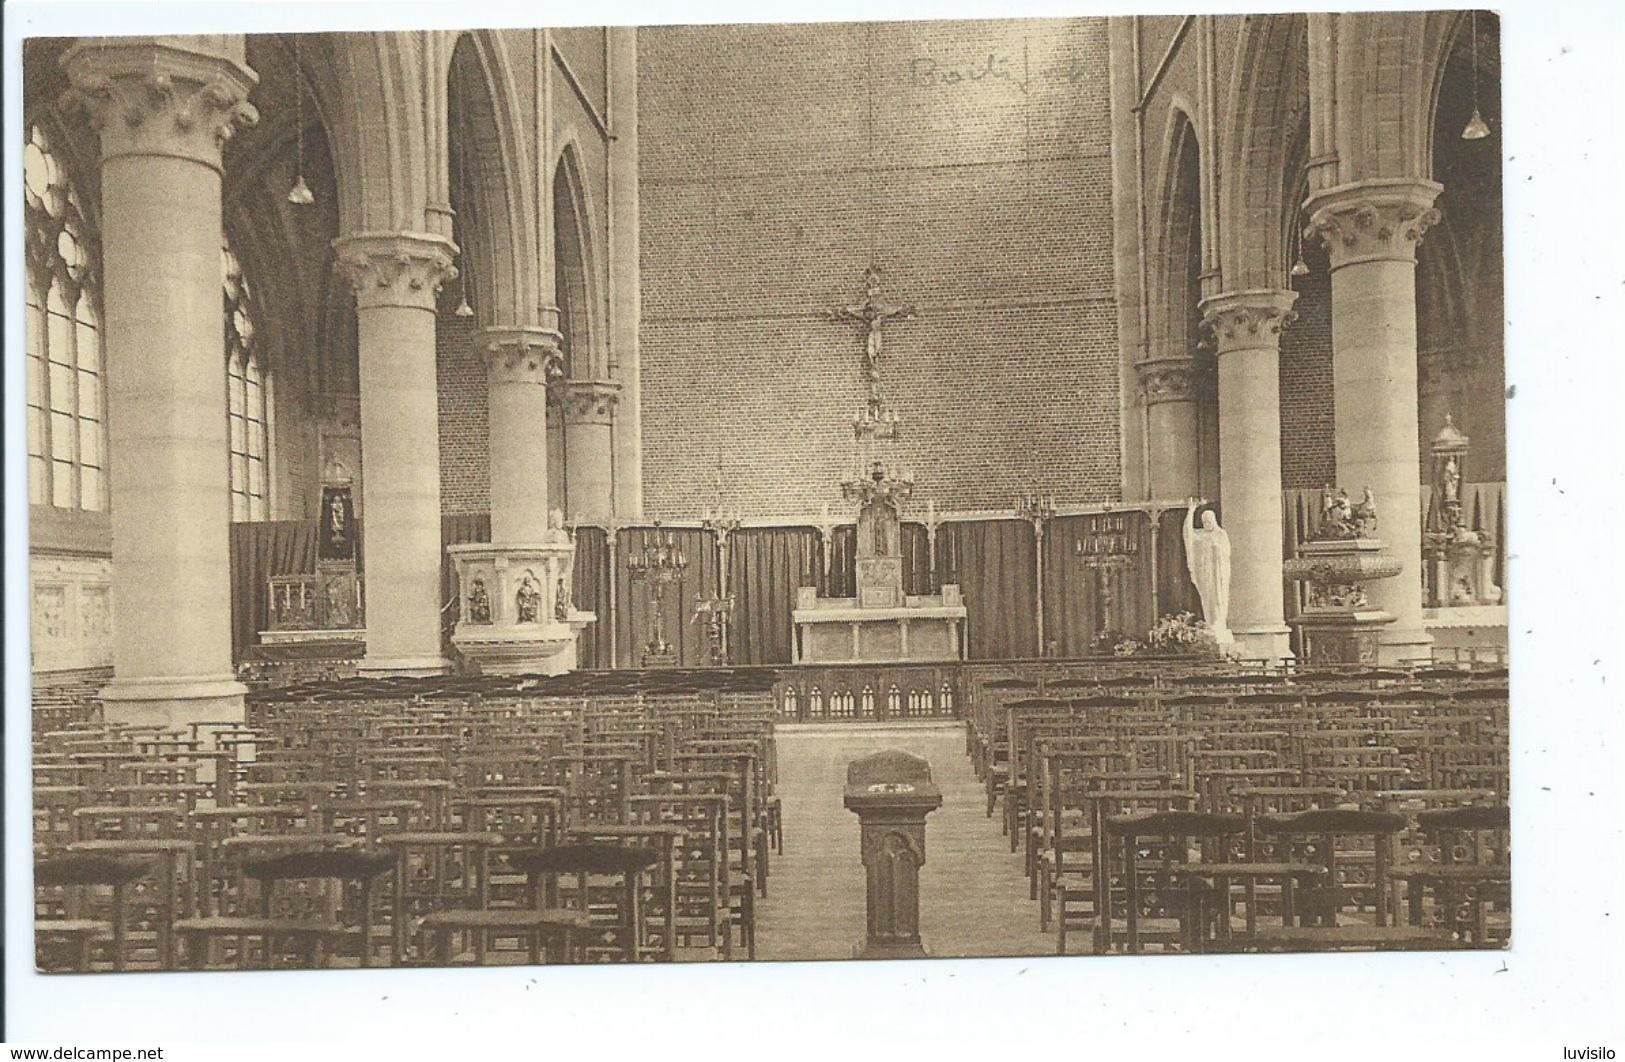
[[718, 611], [877, 476], [1106, 548], [1038, 511], [658, 562]]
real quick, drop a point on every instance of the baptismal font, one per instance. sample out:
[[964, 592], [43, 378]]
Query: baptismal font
[[1338, 624]]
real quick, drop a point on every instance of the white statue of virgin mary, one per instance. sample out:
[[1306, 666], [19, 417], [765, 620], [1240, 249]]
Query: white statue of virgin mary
[[1207, 556]]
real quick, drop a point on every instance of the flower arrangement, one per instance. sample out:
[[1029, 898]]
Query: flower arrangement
[[1179, 632]]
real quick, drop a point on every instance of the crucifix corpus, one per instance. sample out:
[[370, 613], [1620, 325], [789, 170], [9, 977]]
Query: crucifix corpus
[[872, 313]]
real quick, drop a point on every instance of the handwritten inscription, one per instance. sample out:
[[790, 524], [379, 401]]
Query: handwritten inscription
[[928, 72]]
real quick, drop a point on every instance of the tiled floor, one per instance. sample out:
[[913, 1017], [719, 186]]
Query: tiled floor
[[973, 895]]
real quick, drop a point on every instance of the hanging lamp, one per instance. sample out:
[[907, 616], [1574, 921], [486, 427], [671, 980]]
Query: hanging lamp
[[300, 194], [1477, 128]]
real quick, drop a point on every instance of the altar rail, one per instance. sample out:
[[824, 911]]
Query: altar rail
[[838, 692]]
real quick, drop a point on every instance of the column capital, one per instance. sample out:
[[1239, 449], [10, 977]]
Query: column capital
[[1372, 221], [1247, 320], [590, 401], [404, 269], [521, 354], [177, 96], [1167, 379]]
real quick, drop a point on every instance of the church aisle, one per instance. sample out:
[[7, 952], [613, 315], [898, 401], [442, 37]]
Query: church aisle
[[973, 895]]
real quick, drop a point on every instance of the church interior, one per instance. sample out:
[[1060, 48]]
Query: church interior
[[757, 492]]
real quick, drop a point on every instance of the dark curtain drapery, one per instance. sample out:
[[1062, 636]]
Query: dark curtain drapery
[[768, 565], [1074, 613], [633, 602], [916, 552], [589, 590], [1175, 591], [991, 560], [258, 551], [994, 561]]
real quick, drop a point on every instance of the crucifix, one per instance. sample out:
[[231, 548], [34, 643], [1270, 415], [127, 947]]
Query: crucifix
[[872, 313]]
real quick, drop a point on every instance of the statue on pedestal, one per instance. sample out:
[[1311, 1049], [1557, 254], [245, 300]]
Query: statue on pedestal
[[1207, 557]]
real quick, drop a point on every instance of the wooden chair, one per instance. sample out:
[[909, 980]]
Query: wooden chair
[[69, 920], [1323, 924]]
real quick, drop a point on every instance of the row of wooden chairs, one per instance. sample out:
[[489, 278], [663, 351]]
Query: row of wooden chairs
[[1065, 765], [395, 831]]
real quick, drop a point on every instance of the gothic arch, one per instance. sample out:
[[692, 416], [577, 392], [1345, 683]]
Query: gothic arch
[[574, 273], [1269, 98], [1389, 66], [373, 92], [1174, 289], [486, 131]]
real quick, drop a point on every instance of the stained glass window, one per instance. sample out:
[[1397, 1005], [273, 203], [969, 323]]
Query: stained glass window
[[67, 435], [247, 402]]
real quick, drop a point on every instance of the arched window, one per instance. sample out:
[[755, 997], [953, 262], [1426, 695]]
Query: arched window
[[67, 440], [246, 400]]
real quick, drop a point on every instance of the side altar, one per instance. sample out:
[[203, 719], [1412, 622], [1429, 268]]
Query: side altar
[[882, 623]]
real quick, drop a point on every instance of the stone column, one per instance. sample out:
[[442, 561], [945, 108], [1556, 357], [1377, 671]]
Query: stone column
[[1168, 388], [1247, 331], [624, 290], [164, 106], [521, 362], [589, 452], [395, 276], [1371, 229]]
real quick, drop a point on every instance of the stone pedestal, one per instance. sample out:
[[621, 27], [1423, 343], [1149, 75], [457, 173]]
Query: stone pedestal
[[1370, 230], [1339, 624], [515, 616], [164, 106], [1247, 331], [395, 276], [892, 793]]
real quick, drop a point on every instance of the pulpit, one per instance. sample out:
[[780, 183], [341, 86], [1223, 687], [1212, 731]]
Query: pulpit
[[515, 613], [892, 793]]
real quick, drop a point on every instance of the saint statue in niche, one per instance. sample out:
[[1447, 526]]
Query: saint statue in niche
[[1452, 481], [336, 540], [561, 603], [479, 602], [1207, 556], [528, 600]]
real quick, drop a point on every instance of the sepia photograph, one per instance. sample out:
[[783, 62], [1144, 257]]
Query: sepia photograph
[[944, 488]]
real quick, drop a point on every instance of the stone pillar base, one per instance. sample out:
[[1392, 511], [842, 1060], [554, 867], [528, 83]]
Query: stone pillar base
[[404, 666], [866, 950], [174, 701], [1272, 644], [1332, 638]]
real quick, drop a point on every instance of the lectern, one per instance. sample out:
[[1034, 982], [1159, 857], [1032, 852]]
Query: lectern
[[892, 793]]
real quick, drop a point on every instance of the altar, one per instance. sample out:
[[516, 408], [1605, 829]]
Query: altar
[[838, 630], [881, 624]]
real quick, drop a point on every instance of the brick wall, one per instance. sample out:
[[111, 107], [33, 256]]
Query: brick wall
[[969, 160], [465, 473]]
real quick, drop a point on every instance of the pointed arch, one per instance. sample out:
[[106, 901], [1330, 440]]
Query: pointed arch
[[373, 92], [574, 271], [1269, 99], [1177, 241], [497, 214]]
